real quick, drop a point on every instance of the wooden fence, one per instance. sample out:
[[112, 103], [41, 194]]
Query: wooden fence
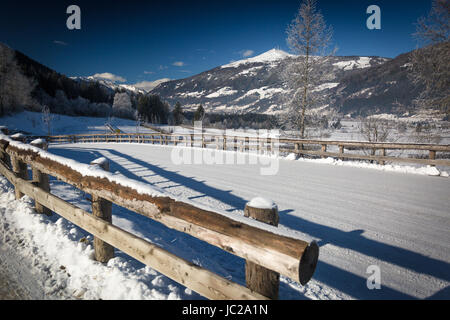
[[435, 154], [255, 242]]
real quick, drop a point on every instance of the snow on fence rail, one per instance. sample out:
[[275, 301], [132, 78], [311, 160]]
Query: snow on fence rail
[[258, 243], [267, 144]]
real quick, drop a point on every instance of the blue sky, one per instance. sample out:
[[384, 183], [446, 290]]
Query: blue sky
[[149, 40]]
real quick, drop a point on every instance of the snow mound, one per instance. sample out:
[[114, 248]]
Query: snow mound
[[426, 171], [38, 141], [262, 203], [291, 156]]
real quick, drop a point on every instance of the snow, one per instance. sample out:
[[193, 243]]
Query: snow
[[89, 170], [62, 255], [273, 55], [263, 92], [360, 216], [38, 141], [195, 94], [361, 63], [31, 123], [427, 171], [262, 203], [18, 136], [249, 72], [226, 91], [324, 86], [100, 161]]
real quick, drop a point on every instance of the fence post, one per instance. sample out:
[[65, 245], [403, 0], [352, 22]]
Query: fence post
[[432, 156], [324, 149], [258, 278], [383, 154], [102, 209], [224, 142], [41, 179], [18, 167]]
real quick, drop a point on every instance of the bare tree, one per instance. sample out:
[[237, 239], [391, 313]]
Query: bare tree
[[435, 28], [139, 121], [309, 38], [47, 118], [374, 130], [431, 63]]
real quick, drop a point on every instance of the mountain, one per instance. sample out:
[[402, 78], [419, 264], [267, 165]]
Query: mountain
[[355, 86], [149, 85], [140, 87], [112, 86]]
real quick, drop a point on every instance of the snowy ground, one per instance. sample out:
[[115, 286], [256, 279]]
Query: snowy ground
[[31, 123], [395, 217], [359, 216]]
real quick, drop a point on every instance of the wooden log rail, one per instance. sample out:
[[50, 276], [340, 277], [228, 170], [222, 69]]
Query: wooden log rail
[[300, 147], [251, 240]]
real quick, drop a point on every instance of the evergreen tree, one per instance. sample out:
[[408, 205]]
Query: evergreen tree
[[199, 113], [153, 109], [178, 114]]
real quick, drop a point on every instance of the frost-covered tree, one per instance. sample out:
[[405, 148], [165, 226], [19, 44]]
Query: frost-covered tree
[[15, 88], [122, 106], [309, 38], [431, 63], [47, 118], [139, 121]]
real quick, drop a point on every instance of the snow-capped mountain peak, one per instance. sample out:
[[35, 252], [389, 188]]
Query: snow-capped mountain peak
[[272, 55]]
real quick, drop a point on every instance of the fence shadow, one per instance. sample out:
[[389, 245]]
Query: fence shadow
[[225, 196], [355, 240], [328, 274]]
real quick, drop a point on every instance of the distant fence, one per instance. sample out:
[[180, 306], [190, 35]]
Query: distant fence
[[267, 253], [372, 151]]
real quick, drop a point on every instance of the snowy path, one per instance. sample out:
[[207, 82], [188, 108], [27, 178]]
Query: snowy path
[[360, 217]]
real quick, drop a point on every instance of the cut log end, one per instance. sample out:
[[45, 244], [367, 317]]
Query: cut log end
[[308, 263]]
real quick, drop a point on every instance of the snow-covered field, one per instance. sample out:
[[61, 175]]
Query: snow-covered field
[[31, 123], [361, 214], [360, 217]]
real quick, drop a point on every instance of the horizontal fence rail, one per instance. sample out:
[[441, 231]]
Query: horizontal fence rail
[[287, 256], [435, 154]]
